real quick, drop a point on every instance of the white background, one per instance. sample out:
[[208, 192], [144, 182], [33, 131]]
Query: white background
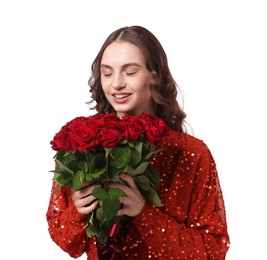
[[217, 54]]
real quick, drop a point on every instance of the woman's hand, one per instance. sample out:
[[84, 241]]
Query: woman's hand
[[84, 202], [133, 201]]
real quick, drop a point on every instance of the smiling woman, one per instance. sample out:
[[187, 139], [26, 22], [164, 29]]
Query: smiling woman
[[130, 77], [126, 80]]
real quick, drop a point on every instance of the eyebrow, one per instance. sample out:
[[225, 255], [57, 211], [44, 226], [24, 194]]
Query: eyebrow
[[124, 66]]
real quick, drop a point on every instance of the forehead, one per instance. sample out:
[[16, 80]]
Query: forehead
[[122, 52]]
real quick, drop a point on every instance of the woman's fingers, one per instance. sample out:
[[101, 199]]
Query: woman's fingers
[[88, 209], [133, 201], [128, 179], [83, 200], [86, 190]]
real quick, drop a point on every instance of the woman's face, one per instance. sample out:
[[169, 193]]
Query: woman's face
[[125, 79]]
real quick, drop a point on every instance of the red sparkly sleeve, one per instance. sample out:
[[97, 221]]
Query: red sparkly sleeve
[[65, 224], [203, 232]]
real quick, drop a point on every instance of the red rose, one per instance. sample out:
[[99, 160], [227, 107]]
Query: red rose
[[110, 137], [103, 120], [133, 128], [83, 138], [154, 128], [75, 135], [61, 141], [79, 119], [108, 130]]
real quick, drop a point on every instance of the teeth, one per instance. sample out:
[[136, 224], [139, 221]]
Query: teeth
[[122, 96]]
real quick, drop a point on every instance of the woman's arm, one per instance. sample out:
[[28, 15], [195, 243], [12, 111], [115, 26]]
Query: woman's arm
[[65, 224], [203, 233]]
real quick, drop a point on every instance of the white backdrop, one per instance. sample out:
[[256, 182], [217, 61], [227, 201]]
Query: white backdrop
[[217, 53]]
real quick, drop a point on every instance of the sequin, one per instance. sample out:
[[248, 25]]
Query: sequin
[[191, 224]]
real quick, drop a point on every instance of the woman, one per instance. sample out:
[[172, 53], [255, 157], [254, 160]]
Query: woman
[[130, 75]]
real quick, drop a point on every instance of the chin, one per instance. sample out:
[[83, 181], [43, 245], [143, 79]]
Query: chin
[[128, 113]]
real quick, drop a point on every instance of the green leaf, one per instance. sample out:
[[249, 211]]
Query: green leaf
[[63, 167], [78, 180], [100, 193], [97, 166], [119, 157], [152, 196], [130, 143], [146, 147], [138, 170], [93, 175], [99, 214], [63, 181], [92, 231], [123, 142], [142, 182], [72, 165], [136, 153], [115, 192], [91, 218], [110, 203], [113, 172], [151, 154], [115, 178], [60, 154], [111, 207], [154, 176], [83, 166], [69, 160], [63, 178], [98, 162]]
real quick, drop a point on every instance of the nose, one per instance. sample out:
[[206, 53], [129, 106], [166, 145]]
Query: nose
[[118, 82]]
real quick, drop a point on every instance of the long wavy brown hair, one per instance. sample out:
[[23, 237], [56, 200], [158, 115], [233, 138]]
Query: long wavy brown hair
[[164, 92]]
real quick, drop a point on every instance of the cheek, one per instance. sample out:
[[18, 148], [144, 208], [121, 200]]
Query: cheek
[[144, 96], [104, 83], [145, 90], [104, 86]]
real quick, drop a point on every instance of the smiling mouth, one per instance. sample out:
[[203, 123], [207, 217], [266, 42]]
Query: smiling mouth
[[121, 96]]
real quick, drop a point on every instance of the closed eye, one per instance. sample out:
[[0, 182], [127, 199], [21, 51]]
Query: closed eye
[[107, 74], [130, 73]]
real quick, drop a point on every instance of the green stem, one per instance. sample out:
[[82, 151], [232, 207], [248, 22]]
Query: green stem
[[107, 174], [87, 157]]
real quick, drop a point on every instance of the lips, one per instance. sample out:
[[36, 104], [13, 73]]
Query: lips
[[121, 98]]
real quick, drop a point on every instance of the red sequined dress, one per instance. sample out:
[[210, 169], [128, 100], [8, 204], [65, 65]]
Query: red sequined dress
[[190, 225]]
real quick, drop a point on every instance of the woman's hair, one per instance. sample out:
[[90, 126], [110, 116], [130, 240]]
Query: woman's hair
[[164, 92]]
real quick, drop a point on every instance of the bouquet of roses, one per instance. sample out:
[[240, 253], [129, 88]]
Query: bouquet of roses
[[97, 149]]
